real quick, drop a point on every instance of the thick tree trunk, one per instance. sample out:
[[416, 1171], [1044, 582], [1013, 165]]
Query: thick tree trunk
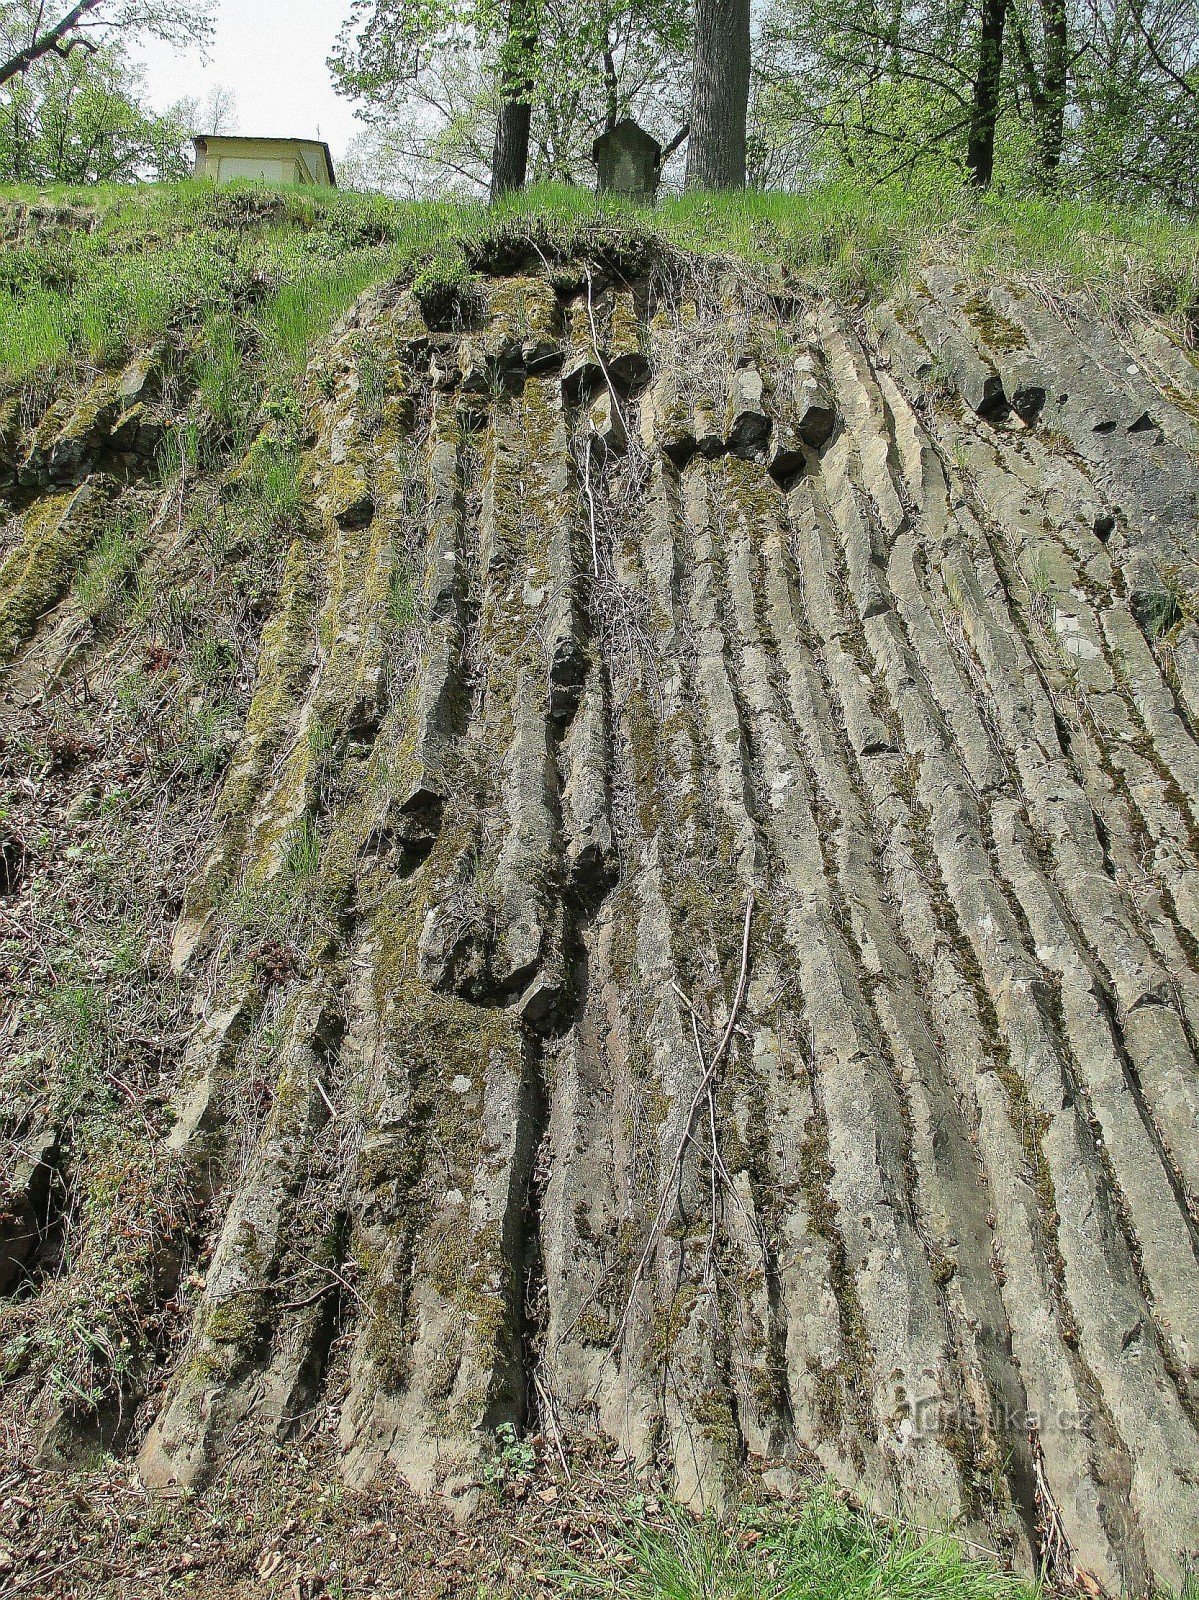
[[720, 95], [510, 162], [980, 156], [1051, 134]]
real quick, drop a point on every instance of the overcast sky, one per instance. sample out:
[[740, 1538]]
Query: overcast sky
[[271, 54]]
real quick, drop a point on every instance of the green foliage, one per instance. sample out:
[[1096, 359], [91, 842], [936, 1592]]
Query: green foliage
[[824, 1551], [199, 749], [1102, 104], [444, 288], [322, 740], [401, 600], [1093, 98], [273, 487], [244, 266], [428, 77], [101, 1019], [105, 575], [371, 371], [513, 1462], [86, 1018], [182, 453], [225, 378], [302, 310], [82, 120], [303, 860]]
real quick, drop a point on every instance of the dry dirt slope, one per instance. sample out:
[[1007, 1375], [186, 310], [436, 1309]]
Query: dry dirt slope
[[615, 614]]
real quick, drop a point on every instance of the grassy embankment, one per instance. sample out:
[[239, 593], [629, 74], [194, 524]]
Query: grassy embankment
[[186, 254]]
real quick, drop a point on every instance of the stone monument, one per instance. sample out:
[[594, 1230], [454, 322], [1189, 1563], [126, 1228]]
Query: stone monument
[[629, 162]]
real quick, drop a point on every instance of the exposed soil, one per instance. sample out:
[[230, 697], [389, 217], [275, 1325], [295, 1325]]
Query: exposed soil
[[289, 1528]]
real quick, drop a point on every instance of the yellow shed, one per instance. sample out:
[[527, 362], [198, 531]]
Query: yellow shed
[[223, 157]]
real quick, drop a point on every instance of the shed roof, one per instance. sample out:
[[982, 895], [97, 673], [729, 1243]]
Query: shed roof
[[629, 132], [230, 141]]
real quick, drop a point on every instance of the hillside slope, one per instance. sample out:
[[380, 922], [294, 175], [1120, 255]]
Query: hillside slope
[[632, 866]]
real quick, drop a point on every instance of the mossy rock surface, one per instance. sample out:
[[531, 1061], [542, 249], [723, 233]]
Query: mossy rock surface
[[382, 847]]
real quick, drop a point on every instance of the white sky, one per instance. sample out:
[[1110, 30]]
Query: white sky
[[271, 55]]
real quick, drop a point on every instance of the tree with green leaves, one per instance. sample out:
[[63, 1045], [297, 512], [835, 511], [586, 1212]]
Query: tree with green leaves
[[482, 93], [80, 116], [85, 122], [388, 50], [31, 31], [1094, 97]]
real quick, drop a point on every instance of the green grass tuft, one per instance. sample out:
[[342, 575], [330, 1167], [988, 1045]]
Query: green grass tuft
[[822, 1551], [110, 567]]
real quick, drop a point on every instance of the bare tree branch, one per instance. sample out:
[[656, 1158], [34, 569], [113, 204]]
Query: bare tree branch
[[56, 39], [1138, 12], [674, 144]]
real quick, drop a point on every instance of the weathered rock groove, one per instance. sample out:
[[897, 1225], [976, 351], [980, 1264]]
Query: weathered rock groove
[[706, 595]]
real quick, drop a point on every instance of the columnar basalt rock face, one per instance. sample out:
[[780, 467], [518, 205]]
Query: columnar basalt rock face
[[708, 600]]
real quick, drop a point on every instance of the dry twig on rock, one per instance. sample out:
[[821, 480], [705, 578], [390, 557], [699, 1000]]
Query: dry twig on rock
[[705, 1088]]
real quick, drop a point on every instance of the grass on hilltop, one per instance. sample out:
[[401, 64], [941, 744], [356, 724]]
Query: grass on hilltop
[[282, 264]]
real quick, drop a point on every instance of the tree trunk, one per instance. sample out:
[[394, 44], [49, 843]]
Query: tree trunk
[[980, 156], [17, 175], [1051, 133], [510, 162], [720, 95], [896, 30], [611, 90]]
